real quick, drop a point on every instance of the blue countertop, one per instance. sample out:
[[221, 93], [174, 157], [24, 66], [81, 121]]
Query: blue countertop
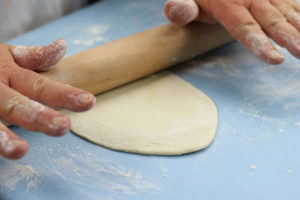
[[255, 155]]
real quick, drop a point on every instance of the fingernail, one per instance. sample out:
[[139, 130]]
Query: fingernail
[[64, 131], [274, 57], [275, 54], [60, 123], [181, 12], [85, 98], [11, 145]]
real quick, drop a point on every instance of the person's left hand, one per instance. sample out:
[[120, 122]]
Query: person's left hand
[[27, 99]]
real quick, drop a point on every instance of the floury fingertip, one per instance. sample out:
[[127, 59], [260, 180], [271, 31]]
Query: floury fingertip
[[181, 12], [9, 146], [39, 58]]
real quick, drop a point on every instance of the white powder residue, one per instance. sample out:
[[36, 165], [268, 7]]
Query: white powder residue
[[252, 167], [6, 143], [88, 42], [261, 87], [14, 174], [92, 36], [176, 10], [143, 5], [58, 49], [48, 55], [97, 29], [256, 115], [257, 43], [281, 130], [28, 111], [104, 173], [269, 86], [23, 51], [286, 36], [3, 140], [289, 171], [298, 124]]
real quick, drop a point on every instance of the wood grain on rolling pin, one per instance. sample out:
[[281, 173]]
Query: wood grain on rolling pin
[[113, 64]]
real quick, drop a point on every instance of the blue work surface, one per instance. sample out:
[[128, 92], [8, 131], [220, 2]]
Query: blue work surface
[[255, 155]]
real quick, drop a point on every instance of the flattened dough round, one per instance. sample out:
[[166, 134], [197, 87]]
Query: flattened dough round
[[161, 115]]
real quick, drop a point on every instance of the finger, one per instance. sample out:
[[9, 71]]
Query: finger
[[49, 92], [203, 17], [244, 28], [295, 5], [289, 10], [277, 27], [20, 110], [11, 146], [39, 58], [181, 12]]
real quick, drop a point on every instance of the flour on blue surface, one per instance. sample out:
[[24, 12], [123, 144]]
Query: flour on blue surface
[[15, 173]]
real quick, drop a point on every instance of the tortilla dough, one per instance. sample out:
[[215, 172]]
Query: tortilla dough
[[160, 115]]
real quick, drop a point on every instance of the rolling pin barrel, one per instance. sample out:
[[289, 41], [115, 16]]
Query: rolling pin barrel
[[122, 61]]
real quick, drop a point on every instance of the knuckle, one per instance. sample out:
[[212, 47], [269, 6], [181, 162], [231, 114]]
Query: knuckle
[[7, 67], [274, 20], [291, 15], [292, 3], [245, 28], [6, 71], [38, 86], [13, 103]]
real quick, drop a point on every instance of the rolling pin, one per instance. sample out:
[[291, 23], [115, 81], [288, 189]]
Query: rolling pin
[[116, 63]]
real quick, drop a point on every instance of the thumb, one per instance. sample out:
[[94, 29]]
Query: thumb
[[181, 12], [39, 58]]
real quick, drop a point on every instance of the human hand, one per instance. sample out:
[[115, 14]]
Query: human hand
[[23, 93], [249, 21]]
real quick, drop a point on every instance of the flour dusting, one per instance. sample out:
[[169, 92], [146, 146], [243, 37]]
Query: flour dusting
[[14, 174], [252, 167], [287, 37], [97, 29], [282, 130], [40, 57], [93, 35], [257, 43], [105, 174], [88, 42], [5, 143], [27, 110]]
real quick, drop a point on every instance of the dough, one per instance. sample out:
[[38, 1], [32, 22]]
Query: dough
[[161, 115]]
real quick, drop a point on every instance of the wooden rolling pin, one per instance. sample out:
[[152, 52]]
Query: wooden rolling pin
[[111, 65]]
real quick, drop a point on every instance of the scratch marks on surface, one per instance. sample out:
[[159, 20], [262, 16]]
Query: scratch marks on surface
[[78, 171], [81, 168], [16, 173]]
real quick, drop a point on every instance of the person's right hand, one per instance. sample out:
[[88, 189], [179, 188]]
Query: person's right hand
[[249, 21], [24, 94]]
